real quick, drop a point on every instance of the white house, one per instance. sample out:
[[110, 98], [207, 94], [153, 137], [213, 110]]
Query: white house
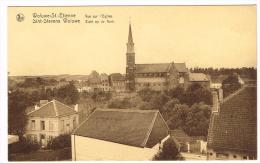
[[119, 134], [50, 120]]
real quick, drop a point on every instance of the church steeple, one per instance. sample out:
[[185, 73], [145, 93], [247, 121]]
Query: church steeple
[[130, 62], [130, 37], [130, 43]]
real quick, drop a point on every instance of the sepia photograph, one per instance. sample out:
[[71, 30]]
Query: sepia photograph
[[132, 83]]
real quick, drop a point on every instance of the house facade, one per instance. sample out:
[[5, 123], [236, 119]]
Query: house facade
[[50, 120], [232, 133], [104, 82], [119, 134], [117, 82], [200, 78]]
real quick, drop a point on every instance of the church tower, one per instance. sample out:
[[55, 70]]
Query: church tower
[[130, 62]]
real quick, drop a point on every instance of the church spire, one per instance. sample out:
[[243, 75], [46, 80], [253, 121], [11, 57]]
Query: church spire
[[130, 37], [130, 62], [130, 43]]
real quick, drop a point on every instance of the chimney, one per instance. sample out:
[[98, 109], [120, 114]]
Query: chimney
[[76, 108], [220, 95], [215, 107]]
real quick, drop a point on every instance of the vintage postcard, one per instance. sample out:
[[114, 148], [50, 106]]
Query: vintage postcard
[[132, 83]]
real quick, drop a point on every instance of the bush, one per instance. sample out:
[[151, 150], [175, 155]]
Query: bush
[[230, 85], [60, 142], [169, 151], [120, 103], [23, 146], [146, 94]]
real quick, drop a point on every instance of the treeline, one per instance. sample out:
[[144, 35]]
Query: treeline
[[248, 72], [36, 82]]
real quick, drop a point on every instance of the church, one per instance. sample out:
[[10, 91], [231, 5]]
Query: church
[[156, 76]]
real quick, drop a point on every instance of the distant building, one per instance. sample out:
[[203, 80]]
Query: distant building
[[190, 145], [157, 76], [60, 84], [105, 82], [49, 120], [117, 82], [199, 78], [119, 134], [232, 131]]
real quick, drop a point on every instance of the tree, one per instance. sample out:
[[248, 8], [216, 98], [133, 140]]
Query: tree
[[146, 94], [17, 103], [197, 120], [159, 100], [60, 142], [175, 118], [195, 93], [176, 92], [169, 151], [68, 94], [120, 103], [230, 85]]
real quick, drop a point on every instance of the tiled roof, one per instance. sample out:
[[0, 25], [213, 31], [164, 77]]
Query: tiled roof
[[117, 77], [125, 126], [181, 67], [159, 67], [53, 108], [234, 127], [198, 77]]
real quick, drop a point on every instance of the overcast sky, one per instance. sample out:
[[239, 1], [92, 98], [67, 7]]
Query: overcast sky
[[204, 36]]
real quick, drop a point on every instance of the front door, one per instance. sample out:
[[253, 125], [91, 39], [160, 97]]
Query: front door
[[43, 140]]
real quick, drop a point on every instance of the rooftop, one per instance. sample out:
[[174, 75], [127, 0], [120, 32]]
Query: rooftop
[[125, 126], [116, 77], [198, 77], [52, 109], [159, 67], [235, 127]]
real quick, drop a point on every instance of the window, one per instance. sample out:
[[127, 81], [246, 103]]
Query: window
[[34, 138], [74, 123], [33, 124], [62, 125], [42, 125], [49, 138], [51, 126], [244, 157], [234, 156]]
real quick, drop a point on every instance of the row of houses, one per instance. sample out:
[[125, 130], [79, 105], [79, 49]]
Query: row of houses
[[117, 82]]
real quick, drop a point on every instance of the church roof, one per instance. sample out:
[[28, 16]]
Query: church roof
[[159, 67], [125, 126], [234, 127], [52, 109]]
